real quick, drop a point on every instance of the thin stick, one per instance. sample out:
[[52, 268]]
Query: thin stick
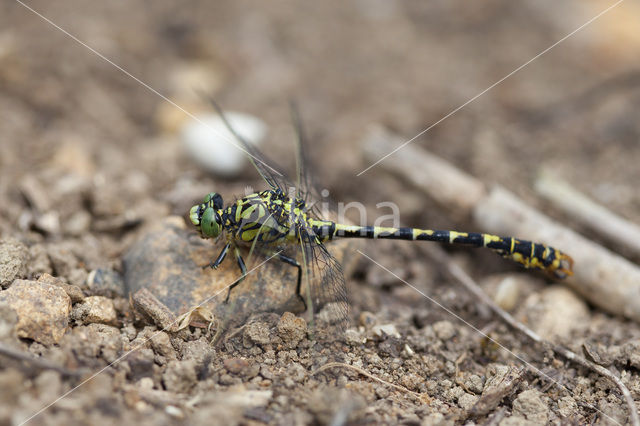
[[367, 374], [582, 209], [471, 286]]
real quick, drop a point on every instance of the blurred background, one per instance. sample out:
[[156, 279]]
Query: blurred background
[[89, 153], [70, 119]]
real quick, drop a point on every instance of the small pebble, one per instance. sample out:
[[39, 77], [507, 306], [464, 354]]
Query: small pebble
[[235, 365], [250, 398], [475, 384], [385, 329], [567, 406], [161, 343], [556, 313], [48, 222], [258, 333], [145, 383], [367, 319], [507, 293], [444, 330], [411, 381], [78, 224], [95, 309], [8, 321], [210, 144], [354, 337], [174, 411]]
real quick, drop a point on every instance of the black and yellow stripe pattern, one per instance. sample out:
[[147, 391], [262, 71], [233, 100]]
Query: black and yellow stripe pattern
[[527, 253], [272, 218]]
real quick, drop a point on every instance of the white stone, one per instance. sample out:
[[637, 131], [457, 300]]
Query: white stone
[[209, 143]]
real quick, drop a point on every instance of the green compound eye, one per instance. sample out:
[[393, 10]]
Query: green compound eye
[[194, 216], [208, 224]]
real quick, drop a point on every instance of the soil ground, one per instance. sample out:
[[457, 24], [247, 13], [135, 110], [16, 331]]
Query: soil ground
[[90, 158]]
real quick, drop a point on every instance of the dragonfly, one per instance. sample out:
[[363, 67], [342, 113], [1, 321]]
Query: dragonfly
[[281, 216]]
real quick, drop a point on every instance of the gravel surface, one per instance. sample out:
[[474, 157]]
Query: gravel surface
[[100, 268]]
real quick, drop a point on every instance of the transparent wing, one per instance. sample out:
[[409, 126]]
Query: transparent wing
[[261, 162], [323, 274], [305, 189], [326, 285]]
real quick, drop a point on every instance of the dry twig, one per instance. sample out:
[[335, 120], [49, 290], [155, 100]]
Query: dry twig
[[595, 216], [367, 374]]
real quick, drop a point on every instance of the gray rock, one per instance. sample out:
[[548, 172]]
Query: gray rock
[[106, 282], [168, 261]]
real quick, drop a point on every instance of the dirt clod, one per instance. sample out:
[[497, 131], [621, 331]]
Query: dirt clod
[[258, 333], [95, 309], [43, 310], [180, 376], [291, 329], [74, 292], [140, 365], [14, 258], [529, 405]]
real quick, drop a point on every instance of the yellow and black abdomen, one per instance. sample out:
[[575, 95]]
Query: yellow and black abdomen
[[527, 253]]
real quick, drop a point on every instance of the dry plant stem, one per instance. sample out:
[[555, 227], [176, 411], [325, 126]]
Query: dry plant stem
[[596, 217], [367, 374], [38, 362], [444, 182], [472, 287]]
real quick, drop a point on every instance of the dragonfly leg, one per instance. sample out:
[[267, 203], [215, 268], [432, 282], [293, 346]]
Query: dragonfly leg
[[243, 269], [293, 262], [215, 263]]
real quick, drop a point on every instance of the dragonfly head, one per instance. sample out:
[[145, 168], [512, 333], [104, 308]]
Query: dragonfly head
[[206, 216]]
